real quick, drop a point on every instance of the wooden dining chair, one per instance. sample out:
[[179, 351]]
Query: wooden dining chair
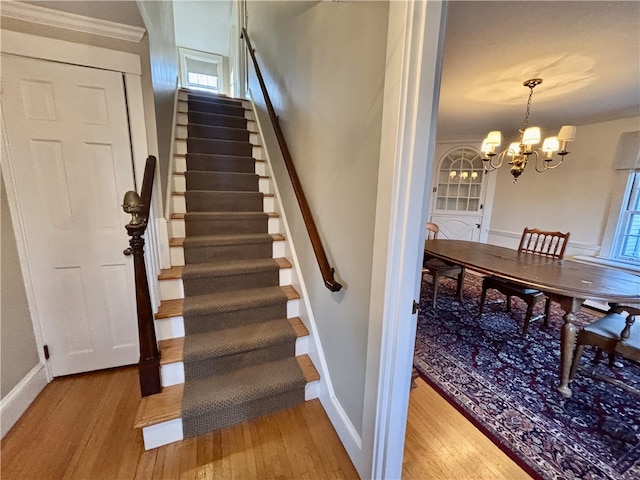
[[538, 242], [438, 268], [613, 334]]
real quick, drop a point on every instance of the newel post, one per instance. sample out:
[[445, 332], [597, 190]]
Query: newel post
[[149, 363]]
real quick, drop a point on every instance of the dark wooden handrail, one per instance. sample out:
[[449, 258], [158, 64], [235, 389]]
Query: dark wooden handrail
[[327, 272], [138, 207]]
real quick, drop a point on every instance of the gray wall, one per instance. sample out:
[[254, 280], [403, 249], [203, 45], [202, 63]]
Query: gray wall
[[18, 353], [158, 19], [324, 65]]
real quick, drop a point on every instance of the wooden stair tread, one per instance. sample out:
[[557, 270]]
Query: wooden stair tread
[[175, 272], [298, 327], [170, 308], [180, 216], [186, 125], [246, 109], [182, 194], [161, 407], [179, 241], [182, 174], [167, 405], [184, 155], [173, 308], [308, 370], [171, 350]]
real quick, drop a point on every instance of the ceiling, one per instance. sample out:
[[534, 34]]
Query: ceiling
[[587, 53]]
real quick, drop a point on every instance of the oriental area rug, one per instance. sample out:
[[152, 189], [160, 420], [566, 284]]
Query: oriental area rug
[[505, 385]]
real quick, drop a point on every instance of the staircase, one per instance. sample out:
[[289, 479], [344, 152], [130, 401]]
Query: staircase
[[232, 345]]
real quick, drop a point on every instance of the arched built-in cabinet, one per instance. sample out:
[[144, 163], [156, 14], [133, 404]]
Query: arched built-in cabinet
[[460, 186]]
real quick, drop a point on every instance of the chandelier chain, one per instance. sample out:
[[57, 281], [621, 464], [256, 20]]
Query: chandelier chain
[[526, 115]]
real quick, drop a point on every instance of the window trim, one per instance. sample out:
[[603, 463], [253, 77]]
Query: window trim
[[186, 53], [622, 183], [631, 192]]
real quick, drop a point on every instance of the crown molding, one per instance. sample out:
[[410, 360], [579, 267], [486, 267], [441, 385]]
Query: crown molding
[[70, 21]]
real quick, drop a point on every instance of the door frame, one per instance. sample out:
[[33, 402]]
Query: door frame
[[61, 51], [415, 39]]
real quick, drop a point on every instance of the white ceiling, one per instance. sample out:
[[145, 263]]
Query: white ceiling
[[586, 52]]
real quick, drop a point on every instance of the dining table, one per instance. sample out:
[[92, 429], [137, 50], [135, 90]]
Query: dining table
[[568, 282]]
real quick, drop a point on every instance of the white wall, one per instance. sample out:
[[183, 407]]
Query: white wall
[[158, 19], [204, 25], [324, 65], [576, 197]]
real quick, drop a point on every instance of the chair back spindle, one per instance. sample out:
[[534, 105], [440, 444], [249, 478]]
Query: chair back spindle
[[540, 242]]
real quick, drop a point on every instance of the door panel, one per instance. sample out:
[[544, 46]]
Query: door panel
[[70, 154], [458, 227]]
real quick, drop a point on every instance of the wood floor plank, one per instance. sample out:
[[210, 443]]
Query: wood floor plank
[[437, 434], [80, 427]]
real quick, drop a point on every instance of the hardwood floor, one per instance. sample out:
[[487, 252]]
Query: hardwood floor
[[442, 444], [80, 427]]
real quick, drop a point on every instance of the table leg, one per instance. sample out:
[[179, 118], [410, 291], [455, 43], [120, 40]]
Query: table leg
[[568, 341]]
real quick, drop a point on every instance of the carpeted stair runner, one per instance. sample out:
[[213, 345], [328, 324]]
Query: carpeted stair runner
[[239, 348]]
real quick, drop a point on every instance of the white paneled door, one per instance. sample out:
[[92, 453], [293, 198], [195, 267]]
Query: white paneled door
[[67, 132]]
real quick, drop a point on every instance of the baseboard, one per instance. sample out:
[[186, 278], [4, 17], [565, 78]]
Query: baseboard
[[347, 433], [21, 396]]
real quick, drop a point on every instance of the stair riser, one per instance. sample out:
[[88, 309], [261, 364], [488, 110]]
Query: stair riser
[[178, 228], [171, 431], [249, 410], [219, 147], [167, 328], [202, 286], [235, 318], [226, 363], [231, 164], [173, 373], [229, 102], [221, 182], [199, 118], [225, 202], [180, 205], [180, 184], [212, 132], [217, 108], [174, 288], [255, 152], [184, 96], [216, 132], [183, 108], [230, 226], [278, 250]]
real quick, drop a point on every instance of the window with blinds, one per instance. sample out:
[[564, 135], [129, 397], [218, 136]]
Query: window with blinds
[[201, 70], [627, 243]]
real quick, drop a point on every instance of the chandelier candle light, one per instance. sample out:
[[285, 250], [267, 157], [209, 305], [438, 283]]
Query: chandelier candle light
[[518, 153]]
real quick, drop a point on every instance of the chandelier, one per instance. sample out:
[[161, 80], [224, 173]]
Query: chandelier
[[519, 153]]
